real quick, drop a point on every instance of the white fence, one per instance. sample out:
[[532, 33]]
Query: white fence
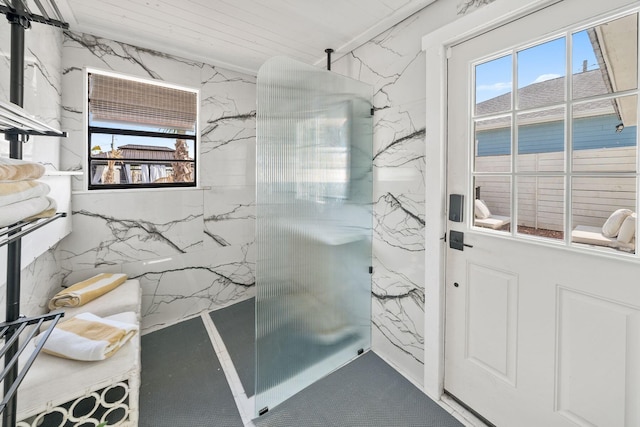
[[541, 199]]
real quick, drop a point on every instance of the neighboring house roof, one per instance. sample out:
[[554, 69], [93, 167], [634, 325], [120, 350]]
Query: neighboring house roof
[[146, 147], [550, 92], [144, 152]]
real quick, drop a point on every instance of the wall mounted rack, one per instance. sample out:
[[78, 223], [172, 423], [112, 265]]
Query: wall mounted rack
[[17, 125]]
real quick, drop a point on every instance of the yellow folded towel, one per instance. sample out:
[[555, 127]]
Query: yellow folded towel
[[19, 170], [87, 290], [12, 192], [26, 210], [88, 337]]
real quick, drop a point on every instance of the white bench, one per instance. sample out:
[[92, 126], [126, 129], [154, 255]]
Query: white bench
[[64, 392]]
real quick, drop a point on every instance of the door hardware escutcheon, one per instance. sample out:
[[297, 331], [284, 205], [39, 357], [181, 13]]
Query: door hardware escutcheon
[[456, 240]]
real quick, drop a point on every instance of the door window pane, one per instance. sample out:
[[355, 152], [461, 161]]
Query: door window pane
[[541, 206], [493, 145], [494, 80], [541, 74], [605, 58], [605, 136], [600, 206], [541, 144], [573, 136], [492, 204]]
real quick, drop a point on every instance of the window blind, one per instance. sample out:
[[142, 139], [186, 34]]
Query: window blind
[[122, 100]]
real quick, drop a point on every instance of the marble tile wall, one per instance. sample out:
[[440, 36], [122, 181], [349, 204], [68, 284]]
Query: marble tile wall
[[42, 86], [191, 249], [394, 64]]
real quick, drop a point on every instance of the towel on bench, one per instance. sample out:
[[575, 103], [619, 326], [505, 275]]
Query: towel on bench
[[19, 170], [88, 337], [87, 290]]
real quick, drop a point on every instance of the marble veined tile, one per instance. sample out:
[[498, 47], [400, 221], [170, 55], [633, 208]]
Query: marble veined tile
[[228, 151], [392, 62], [179, 287], [399, 152], [467, 6], [229, 216], [225, 92], [39, 281], [398, 317], [42, 88], [72, 150], [111, 228], [399, 221], [92, 51]]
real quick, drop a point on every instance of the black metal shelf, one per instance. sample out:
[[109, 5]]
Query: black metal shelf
[[17, 231], [11, 332], [16, 121], [22, 13], [17, 125]]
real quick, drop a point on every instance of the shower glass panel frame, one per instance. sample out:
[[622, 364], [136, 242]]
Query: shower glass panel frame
[[314, 192]]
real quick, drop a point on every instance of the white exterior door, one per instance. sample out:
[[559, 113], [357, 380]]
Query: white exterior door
[[542, 308]]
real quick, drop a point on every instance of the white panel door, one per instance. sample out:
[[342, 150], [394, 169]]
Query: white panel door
[[543, 326]]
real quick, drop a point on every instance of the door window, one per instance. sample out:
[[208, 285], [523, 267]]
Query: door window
[[555, 138]]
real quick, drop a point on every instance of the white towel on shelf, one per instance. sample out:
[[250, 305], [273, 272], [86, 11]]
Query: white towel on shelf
[[88, 337], [19, 170], [37, 207], [13, 192]]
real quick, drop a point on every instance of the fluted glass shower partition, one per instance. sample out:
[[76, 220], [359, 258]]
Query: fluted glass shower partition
[[314, 226]]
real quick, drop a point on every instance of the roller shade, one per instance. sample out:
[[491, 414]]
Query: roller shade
[[123, 100]]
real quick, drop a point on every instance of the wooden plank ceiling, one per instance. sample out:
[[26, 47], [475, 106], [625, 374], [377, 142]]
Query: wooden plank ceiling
[[240, 34]]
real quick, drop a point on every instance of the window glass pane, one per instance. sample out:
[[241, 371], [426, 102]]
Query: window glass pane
[[600, 206], [541, 74], [541, 144], [126, 159], [493, 145], [142, 147], [492, 207], [604, 135], [541, 206], [140, 133], [494, 80], [605, 58], [107, 172]]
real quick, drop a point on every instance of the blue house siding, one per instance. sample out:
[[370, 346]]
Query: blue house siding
[[588, 133]]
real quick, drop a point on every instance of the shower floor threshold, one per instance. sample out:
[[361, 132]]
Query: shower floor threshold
[[302, 379]]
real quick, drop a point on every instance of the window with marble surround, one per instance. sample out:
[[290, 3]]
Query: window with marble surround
[[141, 133]]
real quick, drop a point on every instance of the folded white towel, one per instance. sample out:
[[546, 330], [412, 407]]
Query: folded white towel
[[12, 192], [26, 210], [19, 170], [88, 337]]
